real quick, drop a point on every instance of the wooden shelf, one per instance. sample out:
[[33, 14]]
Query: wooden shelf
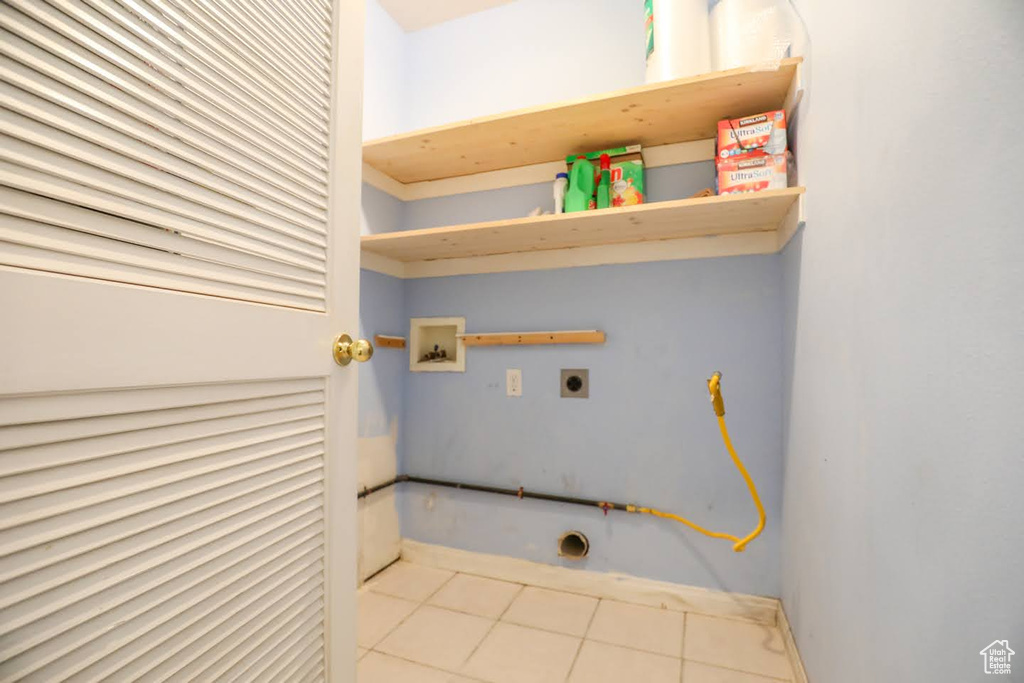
[[664, 113], [387, 341], [533, 338], [728, 214]]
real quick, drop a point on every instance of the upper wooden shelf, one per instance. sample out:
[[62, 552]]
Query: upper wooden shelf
[[727, 214], [658, 114]]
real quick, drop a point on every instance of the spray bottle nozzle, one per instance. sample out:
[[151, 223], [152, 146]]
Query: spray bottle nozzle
[[715, 389]]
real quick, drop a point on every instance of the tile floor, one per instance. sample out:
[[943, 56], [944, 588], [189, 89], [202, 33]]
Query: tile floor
[[424, 625]]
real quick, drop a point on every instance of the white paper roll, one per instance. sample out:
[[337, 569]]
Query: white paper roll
[[681, 42], [749, 33]]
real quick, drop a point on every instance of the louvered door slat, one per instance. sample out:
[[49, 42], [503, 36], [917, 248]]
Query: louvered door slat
[[216, 654], [156, 641], [308, 17], [270, 82], [191, 642], [310, 670], [68, 133], [164, 539], [276, 646], [82, 71], [78, 91], [41, 557], [68, 518], [134, 238], [147, 216], [291, 647], [112, 63], [241, 658], [64, 116], [39, 433], [200, 95], [221, 64], [307, 51], [246, 104], [120, 455], [49, 636], [19, 410], [173, 144], [292, 25], [77, 566], [66, 501], [97, 167], [144, 575], [38, 246], [288, 670], [236, 33]]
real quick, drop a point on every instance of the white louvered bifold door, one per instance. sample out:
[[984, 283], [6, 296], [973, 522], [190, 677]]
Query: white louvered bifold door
[[179, 216]]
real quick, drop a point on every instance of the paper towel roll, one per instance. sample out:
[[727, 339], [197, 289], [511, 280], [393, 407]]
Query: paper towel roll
[[749, 33], [681, 42]]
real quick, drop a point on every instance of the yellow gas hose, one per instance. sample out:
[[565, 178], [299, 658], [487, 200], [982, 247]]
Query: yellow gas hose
[[739, 544]]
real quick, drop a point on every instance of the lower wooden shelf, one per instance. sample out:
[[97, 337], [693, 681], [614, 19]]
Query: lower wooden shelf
[[722, 215]]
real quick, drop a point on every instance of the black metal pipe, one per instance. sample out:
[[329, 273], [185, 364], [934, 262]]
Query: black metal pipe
[[379, 487], [518, 493]]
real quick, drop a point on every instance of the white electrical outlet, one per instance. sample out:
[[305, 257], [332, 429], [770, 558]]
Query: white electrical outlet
[[513, 382]]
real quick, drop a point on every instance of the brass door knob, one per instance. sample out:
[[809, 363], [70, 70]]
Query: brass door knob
[[345, 350]]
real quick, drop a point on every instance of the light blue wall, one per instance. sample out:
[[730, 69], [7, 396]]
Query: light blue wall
[[381, 212], [381, 311], [904, 491], [385, 90], [382, 381], [381, 297], [647, 433], [522, 54], [669, 182]]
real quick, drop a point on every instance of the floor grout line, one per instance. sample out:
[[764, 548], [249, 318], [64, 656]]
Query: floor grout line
[[519, 590], [490, 630], [408, 616], [444, 583], [425, 602], [741, 671], [579, 648], [377, 642], [425, 666], [600, 596], [682, 652], [634, 649]]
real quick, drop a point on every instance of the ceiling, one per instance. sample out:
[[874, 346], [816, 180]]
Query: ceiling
[[413, 15]]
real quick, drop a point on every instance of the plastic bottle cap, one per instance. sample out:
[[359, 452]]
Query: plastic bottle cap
[[606, 162], [561, 175]]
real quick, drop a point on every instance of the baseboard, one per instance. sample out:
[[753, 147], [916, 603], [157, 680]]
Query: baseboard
[[596, 584], [797, 664]]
